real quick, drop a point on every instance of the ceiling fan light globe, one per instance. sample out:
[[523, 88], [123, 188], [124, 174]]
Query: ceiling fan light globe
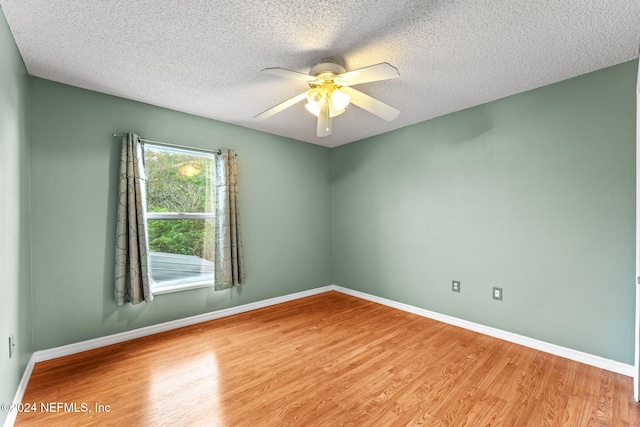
[[313, 108], [340, 99], [315, 96], [333, 112]]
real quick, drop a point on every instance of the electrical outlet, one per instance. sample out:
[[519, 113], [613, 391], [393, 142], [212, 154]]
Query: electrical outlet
[[497, 293], [455, 285], [12, 345]]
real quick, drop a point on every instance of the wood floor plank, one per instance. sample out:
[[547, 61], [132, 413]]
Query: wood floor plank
[[325, 360]]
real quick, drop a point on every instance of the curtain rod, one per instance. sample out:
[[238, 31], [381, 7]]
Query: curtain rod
[[184, 147]]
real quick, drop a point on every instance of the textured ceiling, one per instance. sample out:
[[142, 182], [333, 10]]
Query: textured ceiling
[[204, 57]]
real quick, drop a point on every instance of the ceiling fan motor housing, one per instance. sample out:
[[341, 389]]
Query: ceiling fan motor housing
[[327, 66]]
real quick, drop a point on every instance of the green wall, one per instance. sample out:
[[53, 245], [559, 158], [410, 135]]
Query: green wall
[[285, 201], [15, 304], [534, 193]]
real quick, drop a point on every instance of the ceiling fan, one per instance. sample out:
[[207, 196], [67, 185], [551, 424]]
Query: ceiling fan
[[331, 91]]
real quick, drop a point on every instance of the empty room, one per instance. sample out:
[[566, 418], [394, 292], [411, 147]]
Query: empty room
[[329, 213]]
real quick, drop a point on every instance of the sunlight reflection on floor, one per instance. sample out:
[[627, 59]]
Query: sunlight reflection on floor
[[169, 405]]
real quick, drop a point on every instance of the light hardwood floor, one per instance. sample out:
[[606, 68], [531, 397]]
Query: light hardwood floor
[[326, 360]]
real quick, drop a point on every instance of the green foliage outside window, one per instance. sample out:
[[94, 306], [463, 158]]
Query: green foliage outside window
[[178, 236], [179, 183]]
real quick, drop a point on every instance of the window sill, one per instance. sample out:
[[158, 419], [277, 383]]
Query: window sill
[[181, 287]]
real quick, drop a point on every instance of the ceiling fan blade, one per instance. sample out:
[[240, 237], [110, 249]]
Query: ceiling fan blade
[[372, 73], [372, 105], [283, 105], [324, 121], [290, 74]]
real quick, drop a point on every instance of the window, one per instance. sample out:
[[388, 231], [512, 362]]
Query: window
[[180, 218]]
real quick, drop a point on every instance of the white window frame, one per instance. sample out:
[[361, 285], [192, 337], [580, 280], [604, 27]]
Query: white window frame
[[177, 287]]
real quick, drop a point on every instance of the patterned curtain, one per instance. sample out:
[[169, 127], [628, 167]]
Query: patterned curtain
[[229, 264], [132, 264]]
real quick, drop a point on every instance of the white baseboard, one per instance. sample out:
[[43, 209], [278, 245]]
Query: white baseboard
[[578, 356], [22, 387], [67, 350]]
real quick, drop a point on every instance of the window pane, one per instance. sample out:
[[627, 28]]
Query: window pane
[[178, 181], [181, 251]]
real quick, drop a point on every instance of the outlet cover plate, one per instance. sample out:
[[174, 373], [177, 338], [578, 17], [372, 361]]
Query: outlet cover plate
[[455, 285], [12, 345], [497, 293]]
